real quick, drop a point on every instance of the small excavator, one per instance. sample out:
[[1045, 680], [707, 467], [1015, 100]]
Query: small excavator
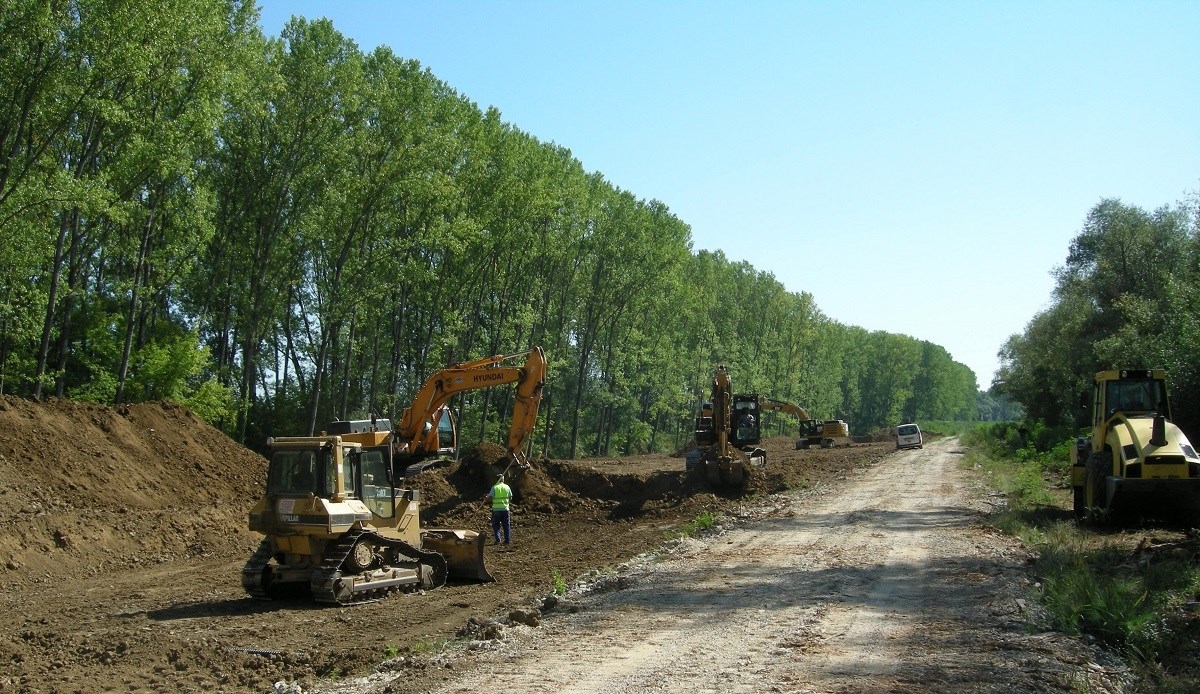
[[339, 522], [728, 431]]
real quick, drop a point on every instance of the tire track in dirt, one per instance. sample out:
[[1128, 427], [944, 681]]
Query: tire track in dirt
[[889, 585]]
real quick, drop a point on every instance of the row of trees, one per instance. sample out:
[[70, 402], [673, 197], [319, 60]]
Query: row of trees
[[281, 232], [1128, 296]]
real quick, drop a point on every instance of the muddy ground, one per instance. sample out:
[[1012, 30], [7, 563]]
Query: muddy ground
[[125, 533]]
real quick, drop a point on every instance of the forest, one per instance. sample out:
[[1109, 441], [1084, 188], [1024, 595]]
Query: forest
[[282, 231], [1127, 296]]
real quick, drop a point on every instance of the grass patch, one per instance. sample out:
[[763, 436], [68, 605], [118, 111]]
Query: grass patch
[[430, 645], [1129, 590], [700, 523], [560, 583], [703, 521], [948, 427]]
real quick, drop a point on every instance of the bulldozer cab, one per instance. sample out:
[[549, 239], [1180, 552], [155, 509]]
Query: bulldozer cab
[[358, 473], [299, 472]]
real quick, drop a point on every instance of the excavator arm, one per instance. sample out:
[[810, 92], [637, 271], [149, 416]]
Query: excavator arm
[[795, 410], [487, 372]]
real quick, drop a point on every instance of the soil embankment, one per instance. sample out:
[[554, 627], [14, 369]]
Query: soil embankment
[[125, 534]]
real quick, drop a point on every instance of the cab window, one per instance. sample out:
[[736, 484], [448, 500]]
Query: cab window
[[445, 427], [376, 492], [296, 472], [350, 464]]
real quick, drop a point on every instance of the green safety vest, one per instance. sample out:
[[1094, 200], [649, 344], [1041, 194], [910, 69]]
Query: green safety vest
[[501, 493]]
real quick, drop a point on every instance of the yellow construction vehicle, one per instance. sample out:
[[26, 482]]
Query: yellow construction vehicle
[[812, 432], [338, 522], [728, 433], [427, 433], [1136, 459], [825, 434]]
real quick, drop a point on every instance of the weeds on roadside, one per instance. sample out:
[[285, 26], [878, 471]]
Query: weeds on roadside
[[560, 583], [695, 526], [702, 522], [1090, 586], [430, 645]]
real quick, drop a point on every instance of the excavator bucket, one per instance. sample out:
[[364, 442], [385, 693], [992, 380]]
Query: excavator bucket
[[463, 550]]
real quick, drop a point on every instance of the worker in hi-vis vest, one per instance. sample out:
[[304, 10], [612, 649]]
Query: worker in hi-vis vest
[[501, 496]]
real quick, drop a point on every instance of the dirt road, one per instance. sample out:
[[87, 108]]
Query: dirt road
[[891, 584]]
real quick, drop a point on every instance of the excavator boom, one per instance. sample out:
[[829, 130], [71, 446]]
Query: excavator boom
[[417, 421]]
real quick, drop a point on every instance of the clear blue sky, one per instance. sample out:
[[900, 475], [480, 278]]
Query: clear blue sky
[[919, 167]]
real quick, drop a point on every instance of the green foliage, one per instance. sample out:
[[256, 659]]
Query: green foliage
[[1126, 297], [559, 583], [430, 645], [279, 232], [704, 521]]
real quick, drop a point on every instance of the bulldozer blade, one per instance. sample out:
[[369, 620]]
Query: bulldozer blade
[[463, 550]]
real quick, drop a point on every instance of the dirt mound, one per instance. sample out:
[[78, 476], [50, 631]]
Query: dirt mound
[[120, 568], [85, 487]]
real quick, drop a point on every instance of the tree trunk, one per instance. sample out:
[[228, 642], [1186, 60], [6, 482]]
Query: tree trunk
[[51, 299]]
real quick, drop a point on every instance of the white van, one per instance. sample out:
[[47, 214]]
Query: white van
[[909, 436]]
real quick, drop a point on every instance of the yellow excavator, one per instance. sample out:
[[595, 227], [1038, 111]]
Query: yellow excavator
[[728, 432], [337, 519], [1136, 459], [812, 431]]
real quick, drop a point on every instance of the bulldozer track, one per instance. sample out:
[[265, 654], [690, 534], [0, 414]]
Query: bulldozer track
[[255, 569], [328, 584]]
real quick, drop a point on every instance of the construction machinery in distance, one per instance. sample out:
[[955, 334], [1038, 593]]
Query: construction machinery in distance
[[728, 434], [338, 519], [812, 431], [1136, 459]]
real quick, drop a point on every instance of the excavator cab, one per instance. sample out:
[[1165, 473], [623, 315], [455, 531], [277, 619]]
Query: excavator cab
[[747, 419]]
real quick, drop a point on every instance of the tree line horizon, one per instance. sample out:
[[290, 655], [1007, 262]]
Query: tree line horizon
[[280, 232]]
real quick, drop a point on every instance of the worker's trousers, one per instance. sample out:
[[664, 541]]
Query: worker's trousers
[[501, 519]]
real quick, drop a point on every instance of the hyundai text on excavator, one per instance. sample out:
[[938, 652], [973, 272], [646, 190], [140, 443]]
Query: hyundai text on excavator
[[339, 522], [1136, 459], [728, 431]]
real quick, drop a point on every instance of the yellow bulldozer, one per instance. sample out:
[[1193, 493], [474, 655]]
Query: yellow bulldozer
[[338, 520], [1136, 459]]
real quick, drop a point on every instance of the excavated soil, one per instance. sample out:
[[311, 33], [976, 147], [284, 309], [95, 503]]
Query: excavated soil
[[125, 534]]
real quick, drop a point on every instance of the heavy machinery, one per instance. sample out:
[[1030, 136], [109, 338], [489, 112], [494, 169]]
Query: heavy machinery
[[427, 433], [339, 522], [825, 434], [1136, 458], [728, 432], [812, 432]]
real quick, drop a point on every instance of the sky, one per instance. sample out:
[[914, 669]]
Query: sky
[[918, 167]]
